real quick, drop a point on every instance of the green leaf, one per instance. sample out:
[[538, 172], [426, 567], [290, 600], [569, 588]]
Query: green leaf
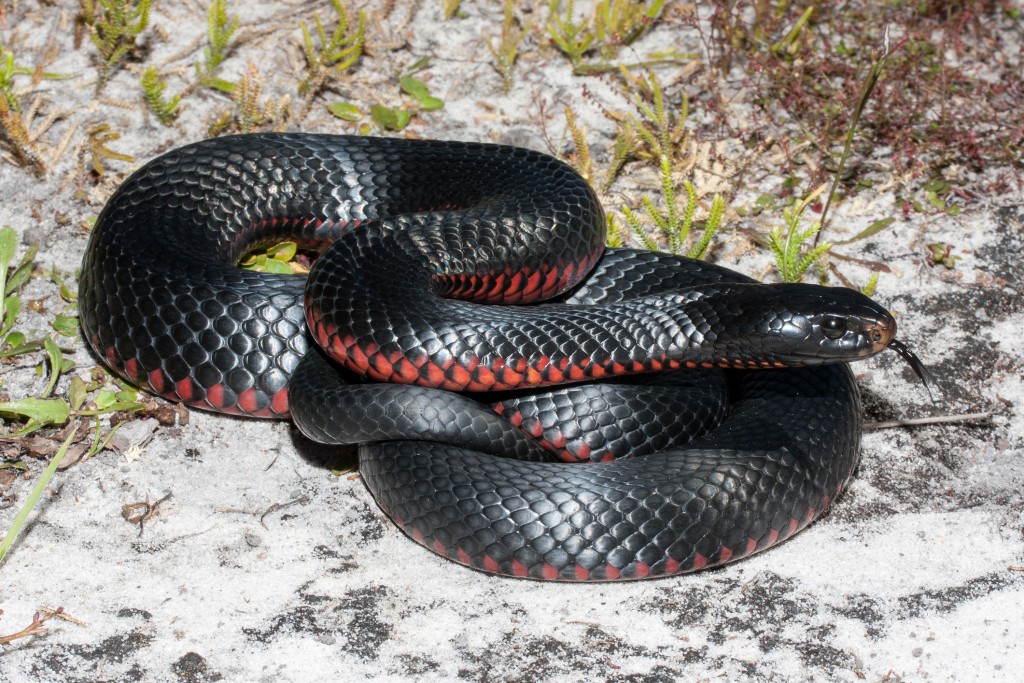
[[23, 271], [55, 358], [8, 243], [935, 200], [18, 345], [43, 411], [419, 90], [222, 85], [65, 292], [77, 392], [345, 111], [14, 340], [12, 306], [33, 497], [415, 87], [431, 103], [115, 407], [66, 325], [275, 266], [104, 399], [283, 251], [388, 118], [874, 228]]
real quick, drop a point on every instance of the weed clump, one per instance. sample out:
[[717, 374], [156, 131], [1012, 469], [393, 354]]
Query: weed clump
[[114, 26]]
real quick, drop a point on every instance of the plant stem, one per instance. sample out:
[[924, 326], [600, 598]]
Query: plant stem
[[869, 85], [33, 497]]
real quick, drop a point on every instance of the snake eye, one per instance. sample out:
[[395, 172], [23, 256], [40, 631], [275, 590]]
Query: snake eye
[[833, 327]]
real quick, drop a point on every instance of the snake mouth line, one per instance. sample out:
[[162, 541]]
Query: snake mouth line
[[915, 364]]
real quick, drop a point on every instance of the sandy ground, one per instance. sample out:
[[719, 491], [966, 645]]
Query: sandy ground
[[264, 565]]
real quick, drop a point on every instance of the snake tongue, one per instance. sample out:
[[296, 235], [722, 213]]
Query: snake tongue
[[915, 364]]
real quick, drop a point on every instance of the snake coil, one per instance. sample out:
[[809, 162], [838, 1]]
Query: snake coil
[[481, 269]]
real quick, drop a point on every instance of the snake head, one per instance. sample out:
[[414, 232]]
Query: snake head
[[811, 325], [799, 325]]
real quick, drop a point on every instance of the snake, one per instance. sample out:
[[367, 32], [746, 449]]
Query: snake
[[527, 401]]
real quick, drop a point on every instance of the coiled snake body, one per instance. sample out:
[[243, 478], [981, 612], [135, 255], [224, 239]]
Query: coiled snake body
[[433, 247]]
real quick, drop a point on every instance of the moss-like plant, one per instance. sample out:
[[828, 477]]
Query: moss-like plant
[[621, 22], [220, 28], [572, 38], [327, 57], [251, 112], [14, 134], [114, 26], [506, 51], [660, 135], [793, 256], [153, 91]]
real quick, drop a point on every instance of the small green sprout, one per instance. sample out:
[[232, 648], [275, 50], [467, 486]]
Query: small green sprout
[[506, 51], [419, 91], [114, 25], [792, 257], [219, 30], [390, 118], [574, 39], [153, 91], [940, 254], [621, 22], [329, 57], [395, 118], [33, 497]]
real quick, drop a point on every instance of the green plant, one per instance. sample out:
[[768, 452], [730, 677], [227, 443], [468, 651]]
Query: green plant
[[869, 84], [251, 112], [153, 91], [114, 25], [574, 39], [673, 225], [789, 243], [329, 57], [392, 118], [277, 258], [623, 148], [506, 51], [33, 497], [620, 22], [419, 91], [660, 135], [85, 400], [219, 31], [14, 132]]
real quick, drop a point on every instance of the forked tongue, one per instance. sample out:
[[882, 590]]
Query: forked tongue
[[916, 365]]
